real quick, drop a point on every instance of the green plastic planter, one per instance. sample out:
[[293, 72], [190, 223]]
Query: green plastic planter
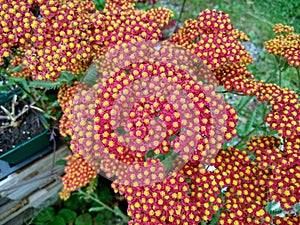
[[27, 148]]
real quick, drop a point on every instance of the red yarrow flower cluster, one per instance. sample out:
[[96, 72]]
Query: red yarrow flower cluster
[[124, 119], [16, 26], [66, 35], [280, 170], [284, 115], [175, 200], [213, 39]]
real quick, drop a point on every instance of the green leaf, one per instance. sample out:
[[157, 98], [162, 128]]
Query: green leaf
[[121, 131], [250, 122], [118, 211], [66, 77], [149, 154], [61, 162], [99, 4], [15, 80], [240, 128], [45, 215], [48, 85], [96, 209], [107, 214], [251, 155], [172, 138], [67, 214], [16, 69], [84, 219], [274, 208], [105, 194], [241, 146], [296, 207], [100, 219], [91, 75], [73, 202], [160, 157], [215, 218], [57, 220], [243, 102]]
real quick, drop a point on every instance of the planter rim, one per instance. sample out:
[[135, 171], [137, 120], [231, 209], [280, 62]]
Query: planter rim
[[26, 142]]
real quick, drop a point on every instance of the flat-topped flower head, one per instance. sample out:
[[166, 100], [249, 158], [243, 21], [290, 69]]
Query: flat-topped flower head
[[214, 40], [78, 173], [286, 44]]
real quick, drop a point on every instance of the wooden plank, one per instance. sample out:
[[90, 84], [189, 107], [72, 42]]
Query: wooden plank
[[21, 183], [37, 201], [33, 187]]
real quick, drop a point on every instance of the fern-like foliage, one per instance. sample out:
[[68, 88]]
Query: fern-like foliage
[[48, 85]]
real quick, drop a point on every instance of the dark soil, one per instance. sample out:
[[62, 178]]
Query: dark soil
[[30, 125]]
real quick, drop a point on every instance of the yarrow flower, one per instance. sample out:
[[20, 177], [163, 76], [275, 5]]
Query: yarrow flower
[[280, 28], [78, 174], [66, 35], [280, 169], [15, 63], [284, 115], [244, 195], [65, 99], [175, 200], [213, 39], [147, 122], [16, 26], [285, 44]]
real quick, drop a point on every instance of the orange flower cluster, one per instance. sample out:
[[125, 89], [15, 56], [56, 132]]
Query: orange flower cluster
[[287, 44], [17, 23], [186, 197], [65, 99], [214, 40], [245, 196], [280, 28], [17, 61], [78, 174], [86, 141], [161, 15]]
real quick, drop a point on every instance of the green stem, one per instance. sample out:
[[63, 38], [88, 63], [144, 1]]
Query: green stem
[[279, 68], [181, 11], [246, 136], [298, 73], [244, 104], [25, 91], [30, 95], [121, 214], [180, 15], [262, 20]]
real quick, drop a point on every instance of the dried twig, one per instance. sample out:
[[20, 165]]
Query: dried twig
[[14, 122]]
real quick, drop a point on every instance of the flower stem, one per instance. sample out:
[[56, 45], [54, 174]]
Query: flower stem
[[30, 95], [244, 138], [248, 100], [298, 73], [279, 68], [117, 213], [180, 15]]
